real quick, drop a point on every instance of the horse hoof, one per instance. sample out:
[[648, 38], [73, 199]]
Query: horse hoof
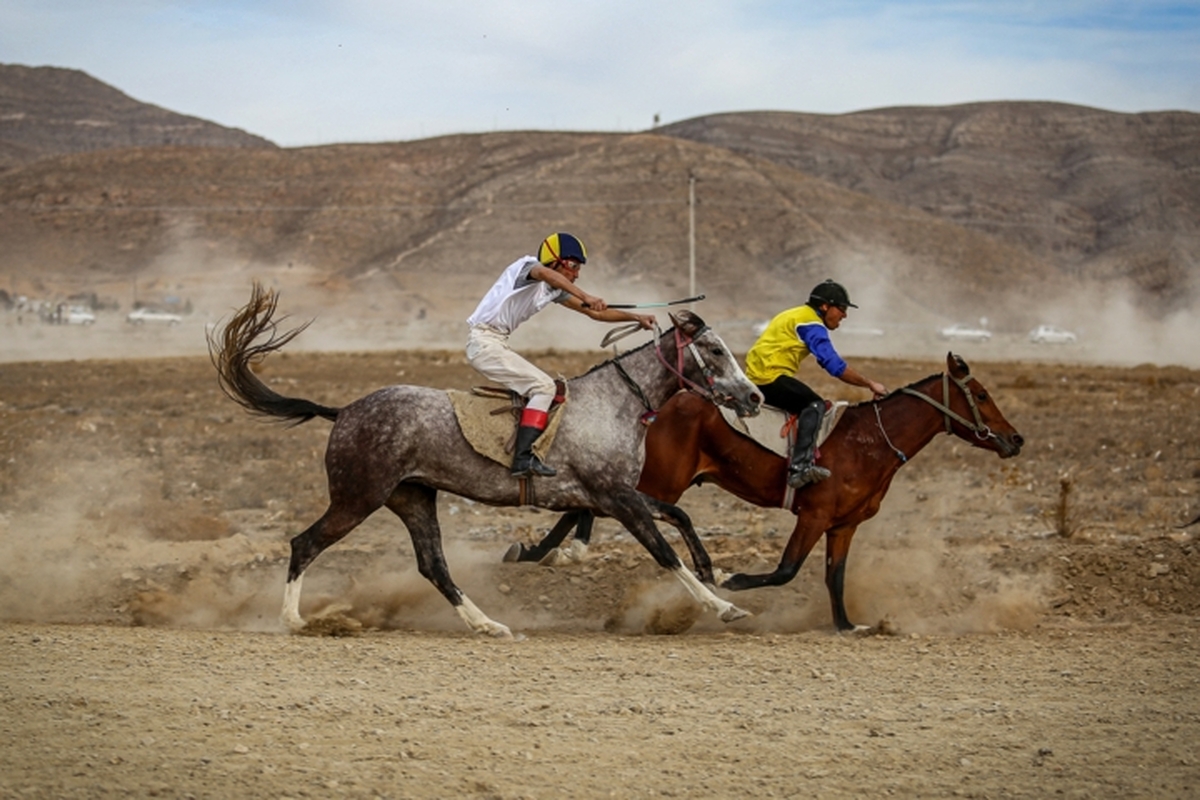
[[733, 613], [498, 631], [555, 558], [720, 576], [513, 554], [576, 551]]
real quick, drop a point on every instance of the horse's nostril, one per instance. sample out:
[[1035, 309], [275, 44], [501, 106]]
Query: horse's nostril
[[1018, 440]]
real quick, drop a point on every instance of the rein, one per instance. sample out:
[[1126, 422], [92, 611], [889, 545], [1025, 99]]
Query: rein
[[981, 431], [682, 342]]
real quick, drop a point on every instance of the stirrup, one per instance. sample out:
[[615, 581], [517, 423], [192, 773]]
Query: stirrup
[[809, 473], [533, 467]]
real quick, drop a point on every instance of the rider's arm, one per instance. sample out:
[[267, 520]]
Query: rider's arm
[[558, 281], [610, 314], [855, 378], [816, 338]]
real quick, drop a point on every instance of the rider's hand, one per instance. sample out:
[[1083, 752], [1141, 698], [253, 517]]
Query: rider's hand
[[593, 302], [647, 321], [878, 389]]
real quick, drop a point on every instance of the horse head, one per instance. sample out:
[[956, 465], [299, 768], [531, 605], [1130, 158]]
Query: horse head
[[713, 369], [979, 421]]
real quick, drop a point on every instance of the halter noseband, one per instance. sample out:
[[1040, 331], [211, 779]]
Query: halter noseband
[[683, 341], [977, 427]]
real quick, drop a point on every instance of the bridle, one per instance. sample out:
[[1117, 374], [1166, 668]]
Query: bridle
[[682, 342], [978, 427]]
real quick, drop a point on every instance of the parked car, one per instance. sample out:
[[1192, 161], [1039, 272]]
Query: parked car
[[77, 315], [1049, 334], [143, 315], [965, 333]]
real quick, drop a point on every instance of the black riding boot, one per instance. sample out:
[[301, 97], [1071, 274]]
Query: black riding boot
[[524, 461], [802, 470]]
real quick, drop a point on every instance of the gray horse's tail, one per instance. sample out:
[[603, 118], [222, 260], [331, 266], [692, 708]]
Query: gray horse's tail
[[233, 352]]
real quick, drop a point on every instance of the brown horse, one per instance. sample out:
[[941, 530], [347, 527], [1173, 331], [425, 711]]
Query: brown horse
[[690, 443]]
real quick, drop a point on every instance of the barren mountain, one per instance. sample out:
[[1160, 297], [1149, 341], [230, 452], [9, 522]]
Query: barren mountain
[[384, 220], [50, 111], [1099, 194], [1017, 212]]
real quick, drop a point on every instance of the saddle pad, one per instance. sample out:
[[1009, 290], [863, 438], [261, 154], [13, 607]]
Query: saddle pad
[[491, 434], [770, 427]]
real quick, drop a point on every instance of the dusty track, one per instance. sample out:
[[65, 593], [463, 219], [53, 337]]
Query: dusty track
[[1031, 648]]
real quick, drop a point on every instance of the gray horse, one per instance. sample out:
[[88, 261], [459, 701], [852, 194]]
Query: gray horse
[[398, 446]]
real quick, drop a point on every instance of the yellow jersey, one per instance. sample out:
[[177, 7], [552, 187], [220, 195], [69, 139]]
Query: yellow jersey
[[790, 337]]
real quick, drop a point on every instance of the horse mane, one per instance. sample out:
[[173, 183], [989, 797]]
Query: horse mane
[[894, 392], [617, 357]]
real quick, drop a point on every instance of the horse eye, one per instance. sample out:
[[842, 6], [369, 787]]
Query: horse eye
[[718, 352], [982, 397]]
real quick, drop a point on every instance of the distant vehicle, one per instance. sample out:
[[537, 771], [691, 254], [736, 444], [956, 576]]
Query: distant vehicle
[[964, 333], [143, 315], [74, 315], [1049, 334]]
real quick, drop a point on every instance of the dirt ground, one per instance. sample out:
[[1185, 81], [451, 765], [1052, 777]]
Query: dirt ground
[[1035, 619]]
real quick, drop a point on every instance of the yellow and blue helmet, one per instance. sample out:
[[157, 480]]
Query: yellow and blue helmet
[[559, 247]]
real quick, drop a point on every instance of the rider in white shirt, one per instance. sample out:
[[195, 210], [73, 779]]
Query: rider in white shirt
[[526, 287]]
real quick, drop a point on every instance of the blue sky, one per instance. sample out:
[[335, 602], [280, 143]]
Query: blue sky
[[318, 71]]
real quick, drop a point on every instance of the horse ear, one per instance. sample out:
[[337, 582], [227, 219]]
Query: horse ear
[[956, 366], [688, 322]]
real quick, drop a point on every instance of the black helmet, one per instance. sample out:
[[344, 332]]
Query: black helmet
[[830, 292], [559, 247]]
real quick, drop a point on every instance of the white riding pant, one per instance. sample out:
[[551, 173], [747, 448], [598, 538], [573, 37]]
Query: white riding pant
[[489, 353]]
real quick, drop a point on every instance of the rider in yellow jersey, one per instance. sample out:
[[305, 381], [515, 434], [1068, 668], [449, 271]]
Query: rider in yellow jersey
[[774, 360]]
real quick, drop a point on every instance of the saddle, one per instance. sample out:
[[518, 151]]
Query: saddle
[[489, 415], [775, 429]]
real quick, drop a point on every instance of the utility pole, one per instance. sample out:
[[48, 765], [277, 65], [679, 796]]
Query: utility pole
[[691, 234]]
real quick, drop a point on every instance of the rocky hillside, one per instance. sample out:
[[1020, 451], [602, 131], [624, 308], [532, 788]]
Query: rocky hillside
[[430, 223], [1101, 195], [1010, 211], [46, 111]]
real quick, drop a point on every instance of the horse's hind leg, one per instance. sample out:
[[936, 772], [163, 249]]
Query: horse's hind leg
[[334, 524], [569, 520], [416, 505], [683, 523]]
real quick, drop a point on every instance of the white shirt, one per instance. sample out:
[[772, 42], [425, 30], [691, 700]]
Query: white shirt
[[515, 297]]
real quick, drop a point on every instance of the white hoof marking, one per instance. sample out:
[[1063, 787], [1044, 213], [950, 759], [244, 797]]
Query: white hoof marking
[[479, 622], [724, 609]]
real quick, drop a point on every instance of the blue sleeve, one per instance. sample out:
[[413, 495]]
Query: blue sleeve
[[816, 339]]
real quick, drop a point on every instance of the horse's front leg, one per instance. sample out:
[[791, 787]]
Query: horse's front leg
[[577, 519], [683, 523], [804, 537], [837, 548], [629, 507]]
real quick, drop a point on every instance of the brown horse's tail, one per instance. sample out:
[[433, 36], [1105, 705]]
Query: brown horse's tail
[[233, 351]]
